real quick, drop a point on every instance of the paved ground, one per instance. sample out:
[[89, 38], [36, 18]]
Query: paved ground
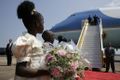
[[7, 72]]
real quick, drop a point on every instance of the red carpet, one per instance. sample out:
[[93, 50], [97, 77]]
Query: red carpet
[[91, 75]]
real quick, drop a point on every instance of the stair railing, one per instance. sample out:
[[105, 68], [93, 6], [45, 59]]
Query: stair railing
[[83, 33]]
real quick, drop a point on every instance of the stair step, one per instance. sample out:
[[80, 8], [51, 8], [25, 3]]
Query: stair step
[[91, 46]]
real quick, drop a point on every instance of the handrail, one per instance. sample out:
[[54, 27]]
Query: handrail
[[101, 39], [83, 32], [101, 33]]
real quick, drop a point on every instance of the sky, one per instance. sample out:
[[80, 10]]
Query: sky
[[53, 11]]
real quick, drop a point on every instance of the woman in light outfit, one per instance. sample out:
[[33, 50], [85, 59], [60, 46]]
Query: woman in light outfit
[[27, 49]]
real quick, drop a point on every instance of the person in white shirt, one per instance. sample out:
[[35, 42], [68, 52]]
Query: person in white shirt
[[27, 49]]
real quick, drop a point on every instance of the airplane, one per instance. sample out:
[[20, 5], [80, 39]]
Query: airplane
[[2, 51], [70, 28]]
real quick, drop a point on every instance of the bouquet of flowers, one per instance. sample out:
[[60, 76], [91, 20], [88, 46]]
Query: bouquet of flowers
[[64, 62]]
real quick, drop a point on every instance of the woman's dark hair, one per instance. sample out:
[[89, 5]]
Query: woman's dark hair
[[25, 9], [61, 38], [34, 20], [29, 17]]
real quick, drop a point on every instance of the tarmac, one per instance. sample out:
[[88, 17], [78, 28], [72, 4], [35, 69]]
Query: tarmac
[[8, 72]]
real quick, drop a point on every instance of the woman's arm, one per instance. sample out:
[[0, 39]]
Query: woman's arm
[[24, 71]]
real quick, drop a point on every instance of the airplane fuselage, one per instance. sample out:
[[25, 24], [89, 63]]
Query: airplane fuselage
[[71, 27]]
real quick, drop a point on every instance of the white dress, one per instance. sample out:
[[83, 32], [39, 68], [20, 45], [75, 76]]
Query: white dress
[[28, 48]]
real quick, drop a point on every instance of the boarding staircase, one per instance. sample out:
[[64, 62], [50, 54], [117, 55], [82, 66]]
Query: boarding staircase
[[90, 43]]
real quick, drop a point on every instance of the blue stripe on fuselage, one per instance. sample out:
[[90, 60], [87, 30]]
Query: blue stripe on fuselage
[[74, 21]]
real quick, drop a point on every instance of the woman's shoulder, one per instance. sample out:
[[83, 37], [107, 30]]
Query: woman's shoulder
[[27, 38]]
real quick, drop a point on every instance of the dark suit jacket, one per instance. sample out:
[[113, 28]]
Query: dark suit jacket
[[109, 52]]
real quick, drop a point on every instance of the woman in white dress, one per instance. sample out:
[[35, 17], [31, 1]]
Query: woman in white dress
[[27, 49]]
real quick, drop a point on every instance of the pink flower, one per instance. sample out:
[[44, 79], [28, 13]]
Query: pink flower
[[56, 72], [61, 52], [49, 57], [74, 65], [77, 77]]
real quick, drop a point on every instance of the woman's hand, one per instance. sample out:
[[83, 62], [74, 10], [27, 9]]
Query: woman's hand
[[24, 71]]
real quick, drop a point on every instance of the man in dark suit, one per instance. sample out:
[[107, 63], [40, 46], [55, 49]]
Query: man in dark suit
[[9, 52], [110, 53]]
